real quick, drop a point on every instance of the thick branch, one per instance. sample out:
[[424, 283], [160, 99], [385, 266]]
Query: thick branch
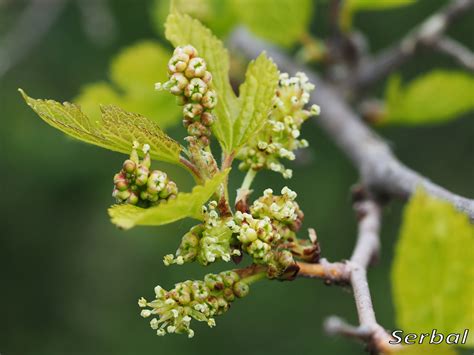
[[427, 34], [380, 170], [457, 51]]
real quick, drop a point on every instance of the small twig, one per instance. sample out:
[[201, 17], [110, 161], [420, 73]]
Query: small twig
[[31, 26], [97, 20], [366, 248], [427, 34], [455, 50], [354, 273], [380, 170], [332, 273]]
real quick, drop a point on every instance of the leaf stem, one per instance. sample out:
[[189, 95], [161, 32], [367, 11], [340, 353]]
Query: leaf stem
[[192, 169]]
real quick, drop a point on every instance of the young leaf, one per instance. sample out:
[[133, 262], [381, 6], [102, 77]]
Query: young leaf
[[218, 15], [255, 100], [117, 130], [182, 30], [350, 7], [133, 74], [433, 271], [282, 22], [122, 128], [434, 97], [184, 205]]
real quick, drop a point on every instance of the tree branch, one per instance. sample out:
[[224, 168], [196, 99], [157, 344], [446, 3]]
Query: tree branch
[[381, 172], [456, 50], [427, 34], [354, 273]]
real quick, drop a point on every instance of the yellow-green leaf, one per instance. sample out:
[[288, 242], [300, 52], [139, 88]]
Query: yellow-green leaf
[[350, 7], [117, 130], [123, 128], [282, 22], [434, 97], [182, 30], [424, 349], [255, 99], [133, 74], [218, 15], [184, 205], [433, 271]]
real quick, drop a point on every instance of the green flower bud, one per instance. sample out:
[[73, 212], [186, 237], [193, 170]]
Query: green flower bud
[[241, 289], [121, 182], [207, 77], [214, 282], [133, 198], [209, 100], [178, 63], [207, 118], [228, 294], [192, 110], [142, 175], [188, 49], [196, 68], [129, 166], [123, 195], [229, 278]]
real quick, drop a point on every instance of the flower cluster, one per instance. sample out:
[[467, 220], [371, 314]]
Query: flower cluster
[[265, 231], [283, 209], [207, 242], [199, 300], [278, 139], [135, 184], [191, 82]]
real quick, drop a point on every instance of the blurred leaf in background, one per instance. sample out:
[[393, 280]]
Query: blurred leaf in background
[[218, 15], [433, 273], [282, 22], [351, 7], [133, 73], [437, 96]]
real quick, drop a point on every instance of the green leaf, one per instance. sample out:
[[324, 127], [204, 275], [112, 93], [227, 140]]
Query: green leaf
[[350, 7], [182, 30], [255, 99], [434, 97], [184, 205], [123, 128], [218, 15], [282, 22], [117, 130], [433, 271], [133, 74]]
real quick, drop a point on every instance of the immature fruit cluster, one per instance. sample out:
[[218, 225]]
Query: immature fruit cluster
[[278, 139], [201, 300], [206, 242], [191, 82], [136, 184]]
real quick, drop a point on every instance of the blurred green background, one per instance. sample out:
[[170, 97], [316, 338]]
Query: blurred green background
[[70, 280]]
